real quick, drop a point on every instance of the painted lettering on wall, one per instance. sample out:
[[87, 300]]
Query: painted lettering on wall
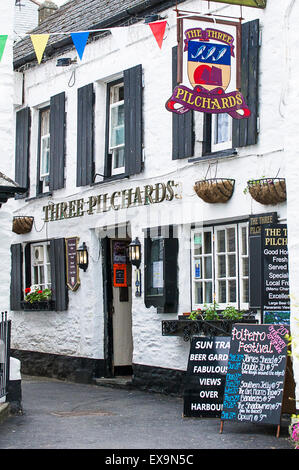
[[123, 199]]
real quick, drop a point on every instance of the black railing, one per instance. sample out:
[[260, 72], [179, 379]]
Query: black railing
[[5, 330]]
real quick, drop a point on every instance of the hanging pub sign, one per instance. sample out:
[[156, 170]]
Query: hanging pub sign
[[72, 268], [210, 58]]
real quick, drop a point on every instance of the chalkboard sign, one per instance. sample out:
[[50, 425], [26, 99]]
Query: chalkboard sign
[[255, 374], [72, 268], [275, 298], [205, 377]]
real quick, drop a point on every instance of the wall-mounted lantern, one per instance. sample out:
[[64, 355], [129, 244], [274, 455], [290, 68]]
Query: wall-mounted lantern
[[82, 256], [135, 252], [135, 260]]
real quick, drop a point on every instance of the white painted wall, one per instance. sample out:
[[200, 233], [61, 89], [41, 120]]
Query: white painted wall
[[79, 331], [7, 146]]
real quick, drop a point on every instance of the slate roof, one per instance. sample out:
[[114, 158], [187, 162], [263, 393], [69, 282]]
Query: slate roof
[[83, 15]]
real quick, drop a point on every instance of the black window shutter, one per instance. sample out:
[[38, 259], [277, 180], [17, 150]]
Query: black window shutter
[[85, 135], [182, 125], [171, 247], [168, 301], [16, 278], [133, 119], [245, 130], [57, 141], [255, 272], [58, 274], [22, 149]]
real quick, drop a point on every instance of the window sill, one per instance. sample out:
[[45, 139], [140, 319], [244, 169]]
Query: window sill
[[214, 155], [111, 179], [43, 306], [188, 328], [39, 196]]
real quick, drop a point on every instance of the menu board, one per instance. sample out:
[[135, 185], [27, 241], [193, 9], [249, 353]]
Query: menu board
[[255, 374], [72, 270], [205, 377], [275, 299]]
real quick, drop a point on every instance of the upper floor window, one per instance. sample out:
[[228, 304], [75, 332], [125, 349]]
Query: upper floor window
[[221, 132], [117, 129], [44, 146]]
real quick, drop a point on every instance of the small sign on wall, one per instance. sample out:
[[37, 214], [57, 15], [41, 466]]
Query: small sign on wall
[[72, 268], [120, 275]]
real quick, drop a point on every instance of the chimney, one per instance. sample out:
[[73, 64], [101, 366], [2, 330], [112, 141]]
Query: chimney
[[45, 10]]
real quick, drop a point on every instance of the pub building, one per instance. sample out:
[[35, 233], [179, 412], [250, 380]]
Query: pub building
[[143, 213]]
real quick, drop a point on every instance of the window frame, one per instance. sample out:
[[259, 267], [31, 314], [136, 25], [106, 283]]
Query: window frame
[[45, 264], [43, 180], [239, 257], [109, 171], [225, 145], [112, 149]]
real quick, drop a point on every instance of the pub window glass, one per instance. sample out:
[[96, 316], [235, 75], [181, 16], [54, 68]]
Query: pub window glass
[[40, 266], [117, 129], [202, 267], [220, 261], [221, 132], [244, 265], [226, 265], [45, 147], [156, 267]]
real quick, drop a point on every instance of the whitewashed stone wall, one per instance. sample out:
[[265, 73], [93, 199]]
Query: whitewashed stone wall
[[289, 109], [7, 146], [79, 331]]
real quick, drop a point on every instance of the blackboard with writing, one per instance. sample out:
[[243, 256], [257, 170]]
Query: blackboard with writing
[[255, 374], [275, 298], [205, 377]]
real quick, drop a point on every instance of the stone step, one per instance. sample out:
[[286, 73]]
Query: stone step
[[4, 411], [116, 382]]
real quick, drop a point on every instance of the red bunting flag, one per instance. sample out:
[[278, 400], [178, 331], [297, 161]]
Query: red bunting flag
[[158, 30]]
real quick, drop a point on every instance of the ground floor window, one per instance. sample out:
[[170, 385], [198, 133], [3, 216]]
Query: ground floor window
[[220, 266], [40, 265]]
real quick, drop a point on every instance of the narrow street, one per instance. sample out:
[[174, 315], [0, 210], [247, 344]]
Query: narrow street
[[64, 415]]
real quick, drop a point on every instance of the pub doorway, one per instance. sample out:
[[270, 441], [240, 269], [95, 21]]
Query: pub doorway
[[117, 289]]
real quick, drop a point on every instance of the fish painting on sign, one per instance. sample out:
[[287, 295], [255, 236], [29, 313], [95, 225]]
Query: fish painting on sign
[[211, 65]]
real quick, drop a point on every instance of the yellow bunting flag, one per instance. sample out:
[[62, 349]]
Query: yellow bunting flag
[[39, 42]]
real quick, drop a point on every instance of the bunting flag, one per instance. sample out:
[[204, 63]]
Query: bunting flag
[[3, 38], [39, 42], [80, 40], [158, 30], [120, 34]]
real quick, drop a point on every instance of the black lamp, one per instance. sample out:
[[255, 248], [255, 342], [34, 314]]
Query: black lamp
[[82, 257], [135, 260], [135, 252]]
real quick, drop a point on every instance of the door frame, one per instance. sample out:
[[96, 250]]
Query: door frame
[[108, 307]]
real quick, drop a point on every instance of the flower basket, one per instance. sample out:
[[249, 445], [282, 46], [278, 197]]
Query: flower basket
[[215, 190], [42, 305], [268, 190], [22, 225]]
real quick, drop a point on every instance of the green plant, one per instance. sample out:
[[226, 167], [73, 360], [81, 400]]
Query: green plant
[[210, 311], [195, 314], [230, 313], [252, 181], [37, 295]]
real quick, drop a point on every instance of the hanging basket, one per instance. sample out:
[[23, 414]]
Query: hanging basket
[[268, 190], [22, 225], [215, 190]]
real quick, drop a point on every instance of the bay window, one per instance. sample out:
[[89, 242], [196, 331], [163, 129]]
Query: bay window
[[220, 266]]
